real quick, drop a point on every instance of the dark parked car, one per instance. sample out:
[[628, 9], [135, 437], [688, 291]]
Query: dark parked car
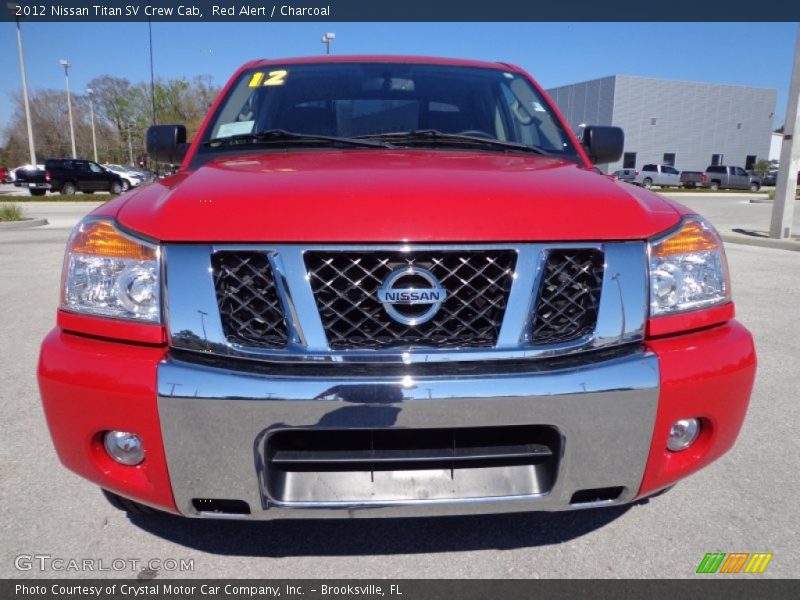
[[67, 175]]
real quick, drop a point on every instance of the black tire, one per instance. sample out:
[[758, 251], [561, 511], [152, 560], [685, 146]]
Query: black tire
[[689, 186], [754, 187], [116, 188], [68, 188], [647, 183], [128, 506], [714, 185], [126, 185], [89, 192], [38, 192]]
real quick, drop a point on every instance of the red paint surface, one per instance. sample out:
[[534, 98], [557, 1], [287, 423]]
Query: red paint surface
[[708, 374], [118, 329], [89, 386], [392, 196], [695, 319]]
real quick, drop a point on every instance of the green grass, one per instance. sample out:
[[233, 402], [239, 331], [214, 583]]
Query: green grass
[[62, 198], [10, 212]]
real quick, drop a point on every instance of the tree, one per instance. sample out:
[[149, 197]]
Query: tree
[[120, 106]]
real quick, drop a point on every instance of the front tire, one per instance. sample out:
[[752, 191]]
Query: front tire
[[116, 188], [126, 185], [38, 192], [68, 189], [754, 187], [128, 506]]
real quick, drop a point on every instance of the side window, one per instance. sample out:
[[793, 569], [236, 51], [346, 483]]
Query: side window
[[649, 168], [81, 166], [95, 168], [533, 123], [741, 171]]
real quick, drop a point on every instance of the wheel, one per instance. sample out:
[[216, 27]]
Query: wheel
[[89, 192], [754, 187], [648, 183], [38, 192], [714, 185], [116, 187], [690, 186], [128, 506], [126, 185], [68, 189]]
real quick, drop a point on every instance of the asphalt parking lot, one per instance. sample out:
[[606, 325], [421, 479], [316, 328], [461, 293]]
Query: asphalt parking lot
[[746, 502]]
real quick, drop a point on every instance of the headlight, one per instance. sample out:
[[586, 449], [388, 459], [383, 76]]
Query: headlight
[[688, 269], [110, 274]]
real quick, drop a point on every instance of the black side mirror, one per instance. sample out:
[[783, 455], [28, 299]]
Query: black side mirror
[[603, 144], [167, 143]]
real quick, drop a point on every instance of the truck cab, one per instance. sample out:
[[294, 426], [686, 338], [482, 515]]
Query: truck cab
[[721, 177], [658, 175]]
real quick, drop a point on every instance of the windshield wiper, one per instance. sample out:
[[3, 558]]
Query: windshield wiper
[[436, 136], [277, 136]]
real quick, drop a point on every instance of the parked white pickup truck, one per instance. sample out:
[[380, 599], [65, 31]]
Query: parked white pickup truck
[[660, 175]]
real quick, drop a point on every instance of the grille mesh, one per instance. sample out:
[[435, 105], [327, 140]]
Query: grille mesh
[[569, 296], [345, 288], [249, 307]]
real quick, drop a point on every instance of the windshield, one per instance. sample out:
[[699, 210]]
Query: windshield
[[349, 100]]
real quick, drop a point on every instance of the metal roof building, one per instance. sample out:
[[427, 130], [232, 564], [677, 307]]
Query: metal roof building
[[686, 124]]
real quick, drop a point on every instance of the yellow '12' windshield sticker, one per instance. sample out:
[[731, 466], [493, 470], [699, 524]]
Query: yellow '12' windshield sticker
[[257, 79]]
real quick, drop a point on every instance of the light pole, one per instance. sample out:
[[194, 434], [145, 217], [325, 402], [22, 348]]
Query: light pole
[[66, 65], [130, 146], [786, 186], [327, 39], [90, 92], [12, 6]]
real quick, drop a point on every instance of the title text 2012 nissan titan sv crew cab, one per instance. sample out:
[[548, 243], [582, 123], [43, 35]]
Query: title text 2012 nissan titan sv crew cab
[[391, 286]]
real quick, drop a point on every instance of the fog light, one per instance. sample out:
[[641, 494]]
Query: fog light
[[683, 434], [124, 447]]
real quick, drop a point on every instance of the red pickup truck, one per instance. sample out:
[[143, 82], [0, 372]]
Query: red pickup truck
[[391, 286]]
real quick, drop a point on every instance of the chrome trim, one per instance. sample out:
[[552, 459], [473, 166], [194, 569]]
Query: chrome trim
[[189, 291], [214, 422]]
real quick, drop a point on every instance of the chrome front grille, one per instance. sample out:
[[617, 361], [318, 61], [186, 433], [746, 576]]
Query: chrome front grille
[[249, 306], [569, 296], [315, 303], [346, 284]]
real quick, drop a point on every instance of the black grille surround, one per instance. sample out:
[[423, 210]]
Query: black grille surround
[[569, 296], [345, 286], [250, 308]]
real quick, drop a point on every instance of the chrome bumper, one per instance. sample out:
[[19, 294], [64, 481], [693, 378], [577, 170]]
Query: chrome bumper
[[214, 422]]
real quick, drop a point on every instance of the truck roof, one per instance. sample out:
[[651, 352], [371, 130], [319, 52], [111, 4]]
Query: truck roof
[[378, 58]]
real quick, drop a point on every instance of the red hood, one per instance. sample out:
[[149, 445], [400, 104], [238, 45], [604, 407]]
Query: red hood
[[392, 196]]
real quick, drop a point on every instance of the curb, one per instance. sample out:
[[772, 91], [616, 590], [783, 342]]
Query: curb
[[744, 240], [24, 224]]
